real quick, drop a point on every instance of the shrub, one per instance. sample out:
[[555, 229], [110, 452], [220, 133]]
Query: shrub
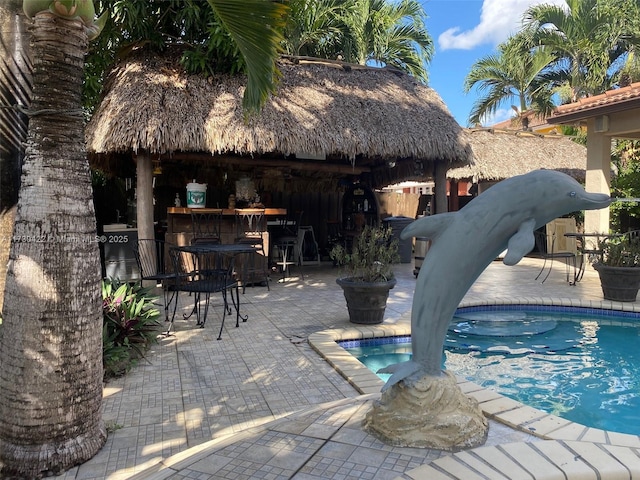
[[130, 325], [620, 251], [372, 255]]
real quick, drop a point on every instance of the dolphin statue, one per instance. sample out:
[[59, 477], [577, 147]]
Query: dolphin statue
[[465, 242]]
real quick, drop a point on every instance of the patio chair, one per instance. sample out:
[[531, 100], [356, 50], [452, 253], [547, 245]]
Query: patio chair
[[546, 244], [154, 266], [633, 235], [206, 225], [210, 273], [251, 226]]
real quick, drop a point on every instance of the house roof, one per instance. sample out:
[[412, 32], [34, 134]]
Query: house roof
[[500, 154], [326, 116], [536, 124], [611, 101]]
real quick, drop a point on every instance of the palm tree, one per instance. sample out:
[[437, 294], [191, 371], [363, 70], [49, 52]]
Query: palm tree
[[15, 88], [51, 335], [313, 28], [515, 72], [217, 36], [388, 33], [587, 39], [362, 31], [51, 338], [256, 28]]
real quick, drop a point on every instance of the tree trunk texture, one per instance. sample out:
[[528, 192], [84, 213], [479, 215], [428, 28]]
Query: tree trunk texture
[[51, 337], [15, 88]]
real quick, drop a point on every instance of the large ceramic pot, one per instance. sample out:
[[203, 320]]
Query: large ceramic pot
[[366, 301], [620, 284]]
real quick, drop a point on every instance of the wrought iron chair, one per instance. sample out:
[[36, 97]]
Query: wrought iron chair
[[633, 235], [251, 226], [154, 266], [206, 225], [546, 244], [206, 273]]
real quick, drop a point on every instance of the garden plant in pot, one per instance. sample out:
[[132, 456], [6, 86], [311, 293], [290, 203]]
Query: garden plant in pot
[[368, 274], [618, 266]]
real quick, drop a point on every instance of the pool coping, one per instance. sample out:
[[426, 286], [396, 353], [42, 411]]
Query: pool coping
[[495, 406]]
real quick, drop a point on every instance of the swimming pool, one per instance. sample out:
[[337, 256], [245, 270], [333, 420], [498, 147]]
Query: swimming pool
[[578, 364]]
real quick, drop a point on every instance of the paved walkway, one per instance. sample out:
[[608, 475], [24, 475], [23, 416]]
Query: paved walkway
[[262, 404]]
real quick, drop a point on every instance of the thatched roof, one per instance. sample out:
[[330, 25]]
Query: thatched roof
[[500, 154], [365, 117]]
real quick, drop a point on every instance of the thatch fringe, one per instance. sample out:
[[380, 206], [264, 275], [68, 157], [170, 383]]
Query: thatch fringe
[[500, 154], [361, 115]]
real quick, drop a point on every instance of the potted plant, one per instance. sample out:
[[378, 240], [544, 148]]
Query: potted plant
[[368, 274], [618, 266]]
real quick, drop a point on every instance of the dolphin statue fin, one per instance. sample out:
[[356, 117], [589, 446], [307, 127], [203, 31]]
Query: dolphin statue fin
[[429, 227], [520, 243], [399, 371]]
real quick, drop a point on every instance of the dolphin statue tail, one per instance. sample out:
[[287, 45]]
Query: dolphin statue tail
[[399, 372]]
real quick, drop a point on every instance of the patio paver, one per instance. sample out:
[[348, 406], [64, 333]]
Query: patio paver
[[262, 403]]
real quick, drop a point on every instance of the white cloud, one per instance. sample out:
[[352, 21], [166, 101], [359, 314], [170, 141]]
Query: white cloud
[[498, 20], [498, 116]]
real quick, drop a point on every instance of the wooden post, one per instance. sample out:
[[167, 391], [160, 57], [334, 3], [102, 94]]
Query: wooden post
[[144, 193], [440, 189], [454, 199]]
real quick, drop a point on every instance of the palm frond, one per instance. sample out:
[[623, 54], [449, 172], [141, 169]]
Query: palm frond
[[256, 27]]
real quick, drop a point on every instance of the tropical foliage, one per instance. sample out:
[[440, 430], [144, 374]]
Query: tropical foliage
[[588, 39], [514, 73], [625, 184], [562, 53], [381, 32], [130, 325], [218, 35]]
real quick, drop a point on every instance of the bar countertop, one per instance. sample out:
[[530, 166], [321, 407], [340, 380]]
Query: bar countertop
[[225, 211]]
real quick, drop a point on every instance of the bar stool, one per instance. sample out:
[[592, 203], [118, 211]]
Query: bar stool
[[205, 224], [306, 236], [250, 228], [288, 244]]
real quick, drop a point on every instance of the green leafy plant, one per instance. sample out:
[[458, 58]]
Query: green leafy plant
[[130, 324], [371, 257], [620, 251], [625, 184]]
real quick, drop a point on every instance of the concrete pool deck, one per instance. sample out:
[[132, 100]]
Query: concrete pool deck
[[262, 403]]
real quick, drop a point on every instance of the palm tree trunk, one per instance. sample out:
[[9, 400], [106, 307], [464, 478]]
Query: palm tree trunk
[[15, 88], [51, 336]]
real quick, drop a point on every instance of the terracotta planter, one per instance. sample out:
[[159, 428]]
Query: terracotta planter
[[366, 302], [619, 284]]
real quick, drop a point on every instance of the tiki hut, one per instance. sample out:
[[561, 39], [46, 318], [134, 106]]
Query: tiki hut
[[328, 125], [500, 154], [328, 120]]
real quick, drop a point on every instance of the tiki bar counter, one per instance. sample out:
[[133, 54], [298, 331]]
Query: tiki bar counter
[[180, 228]]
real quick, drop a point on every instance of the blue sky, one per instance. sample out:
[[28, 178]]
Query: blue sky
[[463, 32]]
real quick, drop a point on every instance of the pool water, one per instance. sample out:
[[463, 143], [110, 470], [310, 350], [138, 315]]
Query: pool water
[[579, 366]]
